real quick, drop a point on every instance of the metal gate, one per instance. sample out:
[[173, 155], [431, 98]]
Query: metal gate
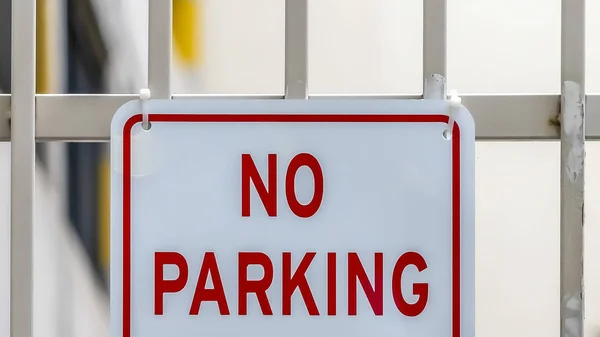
[[32, 118]]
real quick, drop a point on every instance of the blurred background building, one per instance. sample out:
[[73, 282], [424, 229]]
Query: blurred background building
[[355, 47], [93, 46], [83, 46]]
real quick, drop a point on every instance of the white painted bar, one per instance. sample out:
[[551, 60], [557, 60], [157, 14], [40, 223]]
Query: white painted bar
[[498, 117], [434, 38], [22, 167], [296, 49], [160, 26], [572, 162]]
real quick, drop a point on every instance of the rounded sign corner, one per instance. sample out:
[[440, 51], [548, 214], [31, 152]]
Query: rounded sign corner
[[465, 121], [122, 115]]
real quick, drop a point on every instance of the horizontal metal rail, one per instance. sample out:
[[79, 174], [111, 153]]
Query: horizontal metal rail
[[497, 117]]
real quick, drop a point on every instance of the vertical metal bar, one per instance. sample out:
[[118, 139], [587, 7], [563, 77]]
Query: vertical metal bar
[[571, 210], [572, 168], [22, 167], [434, 45], [160, 28], [573, 42], [296, 49], [435, 87]]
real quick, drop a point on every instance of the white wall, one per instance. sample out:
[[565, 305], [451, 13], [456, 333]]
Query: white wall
[[370, 46]]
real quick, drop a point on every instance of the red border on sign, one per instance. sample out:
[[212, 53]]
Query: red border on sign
[[289, 118]]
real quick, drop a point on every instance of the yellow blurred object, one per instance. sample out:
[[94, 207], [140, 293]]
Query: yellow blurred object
[[186, 37], [41, 57], [104, 212]]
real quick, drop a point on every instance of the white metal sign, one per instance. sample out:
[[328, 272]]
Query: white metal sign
[[292, 218]]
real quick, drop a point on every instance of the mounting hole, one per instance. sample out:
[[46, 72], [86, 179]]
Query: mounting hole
[[447, 134], [146, 126]]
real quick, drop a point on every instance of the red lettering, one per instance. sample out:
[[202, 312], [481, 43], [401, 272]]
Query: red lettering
[[308, 210], [268, 196], [250, 173], [292, 280], [374, 295], [331, 284], [297, 280], [162, 286], [217, 294], [259, 287], [419, 289]]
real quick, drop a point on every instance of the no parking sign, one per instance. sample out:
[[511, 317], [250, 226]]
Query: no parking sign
[[292, 218]]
